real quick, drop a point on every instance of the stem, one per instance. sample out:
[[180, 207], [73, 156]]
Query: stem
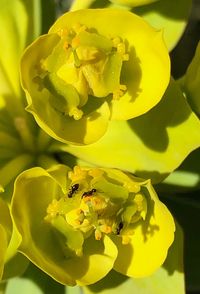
[[3, 287], [25, 134], [43, 140], [81, 4], [57, 147], [8, 141], [7, 152], [46, 161], [14, 167]]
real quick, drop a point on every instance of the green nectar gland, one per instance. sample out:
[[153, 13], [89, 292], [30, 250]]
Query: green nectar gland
[[95, 205], [83, 63]]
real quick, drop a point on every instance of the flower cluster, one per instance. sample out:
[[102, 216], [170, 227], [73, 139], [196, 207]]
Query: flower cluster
[[104, 122]]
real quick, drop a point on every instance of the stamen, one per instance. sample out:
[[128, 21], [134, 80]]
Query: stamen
[[77, 175], [78, 28], [98, 234], [125, 239], [76, 113], [52, 210], [62, 33], [65, 45], [119, 92], [106, 229], [139, 201], [116, 41]]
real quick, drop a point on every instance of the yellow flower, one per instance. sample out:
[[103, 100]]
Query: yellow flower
[[90, 216], [93, 66]]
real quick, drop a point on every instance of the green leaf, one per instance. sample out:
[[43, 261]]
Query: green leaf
[[186, 209], [20, 23], [168, 279], [170, 16], [48, 10], [185, 178], [34, 281], [152, 145], [191, 82]]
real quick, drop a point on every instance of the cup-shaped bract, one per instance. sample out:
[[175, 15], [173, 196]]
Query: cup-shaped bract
[[9, 256], [94, 65], [72, 220]]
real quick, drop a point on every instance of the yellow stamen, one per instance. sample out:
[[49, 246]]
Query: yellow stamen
[[98, 234], [65, 45], [76, 113], [62, 33], [121, 48], [78, 28], [53, 208], [106, 229], [125, 239], [75, 42], [116, 41], [77, 174], [139, 201]]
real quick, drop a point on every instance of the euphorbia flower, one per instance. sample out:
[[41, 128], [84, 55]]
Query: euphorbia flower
[[93, 66], [70, 221]]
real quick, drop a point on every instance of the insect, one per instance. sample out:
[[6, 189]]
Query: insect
[[119, 228], [72, 190], [89, 193]]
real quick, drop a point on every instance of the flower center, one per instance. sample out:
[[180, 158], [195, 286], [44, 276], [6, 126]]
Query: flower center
[[94, 204], [83, 63]]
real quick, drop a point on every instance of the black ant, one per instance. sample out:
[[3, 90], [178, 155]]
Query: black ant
[[89, 193], [119, 228], [72, 190]]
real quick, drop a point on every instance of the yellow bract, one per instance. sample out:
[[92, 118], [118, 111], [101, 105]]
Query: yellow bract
[[90, 215], [93, 66]]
